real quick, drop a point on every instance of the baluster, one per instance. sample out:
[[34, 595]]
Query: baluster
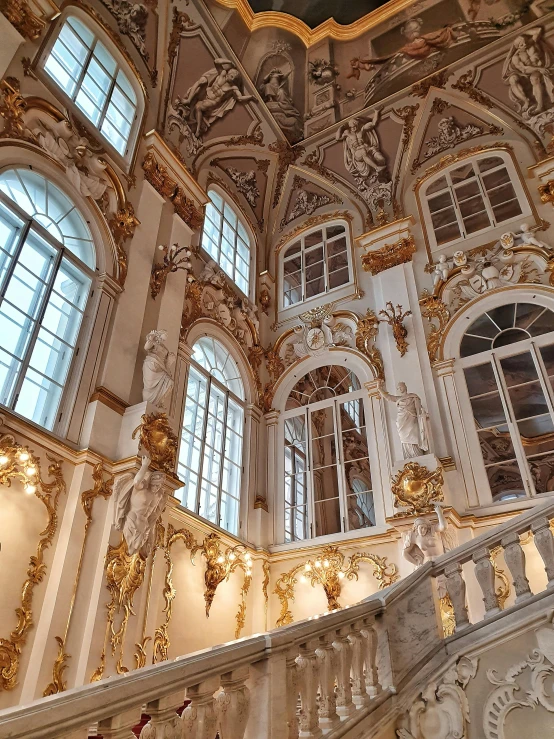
[[515, 559], [75, 734], [199, 718], [345, 707], [233, 704], [455, 584], [371, 675], [292, 693], [120, 726], [359, 692], [544, 541], [164, 721], [328, 717], [308, 681], [484, 572]]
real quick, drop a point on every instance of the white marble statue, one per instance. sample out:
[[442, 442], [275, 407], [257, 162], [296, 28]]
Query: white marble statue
[[412, 421], [425, 540], [139, 501], [363, 157], [157, 370], [526, 235], [441, 270]]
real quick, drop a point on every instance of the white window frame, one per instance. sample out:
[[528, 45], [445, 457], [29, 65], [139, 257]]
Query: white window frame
[[302, 237], [494, 356], [76, 365], [228, 394], [251, 245], [122, 64], [502, 226]]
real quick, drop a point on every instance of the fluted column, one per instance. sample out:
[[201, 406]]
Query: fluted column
[[484, 572], [199, 718], [345, 707], [308, 683], [515, 559], [359, 692], [544, 541], [455, 584], [371, 675], [328, 717], [233, 704]]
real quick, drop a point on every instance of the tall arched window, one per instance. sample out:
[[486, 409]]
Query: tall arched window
[[507, 355], [226, 240], [328, 485], [316, 263], [46, 269], [210, 454], [473, 196], [94, 81]]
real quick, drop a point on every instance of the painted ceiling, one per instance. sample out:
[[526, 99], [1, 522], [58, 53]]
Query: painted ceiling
[[316, 12]]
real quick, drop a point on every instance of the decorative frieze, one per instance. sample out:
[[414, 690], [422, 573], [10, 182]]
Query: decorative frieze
[[388, 256]]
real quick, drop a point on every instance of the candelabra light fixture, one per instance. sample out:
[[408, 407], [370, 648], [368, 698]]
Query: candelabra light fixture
[[394, 316], [17, 463], [175, 258]]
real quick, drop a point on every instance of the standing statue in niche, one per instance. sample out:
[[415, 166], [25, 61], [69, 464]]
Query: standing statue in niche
[[529, 71], [412, 421], [157, 370], [276, 95], [212, 96], [139, 501], [426, 540], [362, 151]]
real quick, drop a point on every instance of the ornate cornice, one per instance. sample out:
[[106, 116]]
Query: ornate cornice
[[390, 255], [160, 179], [22, 18]]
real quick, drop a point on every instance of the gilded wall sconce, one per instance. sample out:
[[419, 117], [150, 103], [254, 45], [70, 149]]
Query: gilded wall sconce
[[175, 258], [395, 317]]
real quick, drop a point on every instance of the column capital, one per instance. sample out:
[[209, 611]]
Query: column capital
[[272, 417], [444, 367]]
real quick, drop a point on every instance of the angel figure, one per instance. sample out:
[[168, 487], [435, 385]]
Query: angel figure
[[362, 151], [157, 369], [528, 237], [426, 539], [139, 502], [212, 96], [441, 270]]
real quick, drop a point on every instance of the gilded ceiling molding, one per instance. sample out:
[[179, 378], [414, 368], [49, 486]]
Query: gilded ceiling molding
[[101, 489], [162, 181], [390, 255], [18, 463], [466, 84], [329, 29], [22, 18], [439, 80], [286, 157], [328, 570]]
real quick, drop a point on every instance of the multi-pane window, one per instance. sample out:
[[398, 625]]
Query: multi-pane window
[[46, 263], [226, 240], [327, 477], [210, 454], [93, 80], [315, 264], [508, 361], [472, 197]]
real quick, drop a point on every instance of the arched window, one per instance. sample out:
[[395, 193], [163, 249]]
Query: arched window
[[210, 454], [94, 81], [316, 263], [46, 268], [473, 196], [508, 362], [226, 240], [328, 485]]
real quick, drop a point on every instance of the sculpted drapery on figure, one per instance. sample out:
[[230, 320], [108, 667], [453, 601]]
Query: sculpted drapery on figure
[[276, 94], [529, 71], [157, 370], [362, 151], [139, 501], [411, 421]]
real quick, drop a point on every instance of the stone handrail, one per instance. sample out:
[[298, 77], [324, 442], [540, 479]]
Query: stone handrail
[[319, 676]]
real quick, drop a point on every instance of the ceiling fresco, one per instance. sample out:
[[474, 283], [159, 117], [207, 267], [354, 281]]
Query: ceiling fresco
[[316, 12]]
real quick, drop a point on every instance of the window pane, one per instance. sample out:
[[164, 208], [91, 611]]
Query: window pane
[[496, 445], [505, 481], [327, 517], [38, 399], [488, 410]]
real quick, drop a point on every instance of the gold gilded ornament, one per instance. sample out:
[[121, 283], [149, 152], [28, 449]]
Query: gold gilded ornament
[[390, 255], [395, 317], [366, 334], [158, 439], [122, 225], [12, 109], [22, 18], [432, 308], [417, 487]]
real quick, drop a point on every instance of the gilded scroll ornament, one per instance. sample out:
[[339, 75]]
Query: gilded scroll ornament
[[101, 489], [175, 258], [158, 440], [416, 487], [366, 334], [390, 255], [18, 463], [22, 18], [12, 109], [394, 316], [329, 569], [122, 225], [546, 192], [158, 176], [432, 308]]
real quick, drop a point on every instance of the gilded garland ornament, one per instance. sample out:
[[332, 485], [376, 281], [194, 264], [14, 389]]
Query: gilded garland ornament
[[158, 440], [416, 487], [18, 463], [390, 255]]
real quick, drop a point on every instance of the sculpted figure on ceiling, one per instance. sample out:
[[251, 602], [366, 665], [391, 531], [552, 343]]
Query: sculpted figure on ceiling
[[529, 71], [276, 95], [362, 151]]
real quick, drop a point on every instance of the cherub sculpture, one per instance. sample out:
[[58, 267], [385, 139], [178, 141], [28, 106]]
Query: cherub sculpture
[[139, 501]]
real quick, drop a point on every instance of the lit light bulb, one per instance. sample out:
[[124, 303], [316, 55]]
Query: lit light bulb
[[326, 563], [248, 573], [248, 557], [31, 471], [341, 575], [232, 556], [23, 456], [317, 563], [221, 560], [3, 460], [307, 567], [302, 578], [29, 488]]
